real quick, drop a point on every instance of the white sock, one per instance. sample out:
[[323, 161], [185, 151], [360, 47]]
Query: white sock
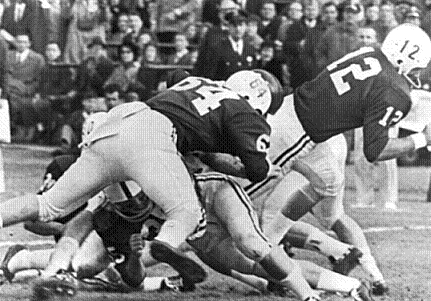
[[152, 283], [334, 282], [369, 265]]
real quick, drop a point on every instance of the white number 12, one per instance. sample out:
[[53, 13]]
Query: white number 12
[[387, 118]]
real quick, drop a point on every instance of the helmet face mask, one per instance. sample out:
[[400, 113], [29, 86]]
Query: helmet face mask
[[408, 48], [260, 88]]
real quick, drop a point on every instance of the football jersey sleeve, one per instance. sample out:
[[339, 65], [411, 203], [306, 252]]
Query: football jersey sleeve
[[249, 135], [386, 109]]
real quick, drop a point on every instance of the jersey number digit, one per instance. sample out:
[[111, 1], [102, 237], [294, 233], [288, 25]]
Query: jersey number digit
[[210, 95], [389, 118], [358, 73]]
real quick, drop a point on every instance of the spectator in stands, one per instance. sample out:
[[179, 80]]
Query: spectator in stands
[[274, 64], [232, 54], [135, 28], [302, 38], [141, 8], [114, 96], [251, 36], [386, 20], [27, 16], [93, 71], [175, 15], [401, 8], [210, 10], [145, 38], [340, 39], [372, 11], [149, 77], [367, 36], [23, 70], [122, 29], [87, 20], [294, 13], [270, 22], [250, 6], [126, 73], [214, 37], [52, 99], [71, 130], [182, 55], [329, 15], [413, 16], [192, 34]]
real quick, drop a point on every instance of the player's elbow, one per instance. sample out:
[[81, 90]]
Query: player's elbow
[[257, 175], [370, 155]]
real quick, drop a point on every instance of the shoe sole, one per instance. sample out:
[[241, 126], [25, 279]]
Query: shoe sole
[[188, 268], [11, 252], [44, 289]]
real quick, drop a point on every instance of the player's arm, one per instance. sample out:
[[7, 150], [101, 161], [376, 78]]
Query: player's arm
[[224, 163], [249, 136]]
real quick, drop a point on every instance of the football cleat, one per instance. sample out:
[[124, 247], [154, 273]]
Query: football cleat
[[189, 270], [379, 288], [62, 284], [362, 293], [177, 284], [11, 252], [277, 289], [346, 264], [312, 299]]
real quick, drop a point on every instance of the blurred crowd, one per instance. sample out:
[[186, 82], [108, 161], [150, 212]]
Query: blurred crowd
[[61, 60]]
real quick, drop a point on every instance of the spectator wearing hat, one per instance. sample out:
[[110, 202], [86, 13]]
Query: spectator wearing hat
[[273, 63], [214, 37], [340, 39], [126, 73], [300, 44], [413, 16], [386, 20], [87, 19], [233, 54], [149, 78]]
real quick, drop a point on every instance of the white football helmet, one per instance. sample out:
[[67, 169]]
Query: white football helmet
[[407, 47], [262, 90]]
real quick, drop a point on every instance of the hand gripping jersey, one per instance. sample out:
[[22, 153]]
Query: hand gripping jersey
[[360, 89], [211, 118]]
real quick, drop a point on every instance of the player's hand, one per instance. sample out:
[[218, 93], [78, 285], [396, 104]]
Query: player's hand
[[136, 244], [275, 171]]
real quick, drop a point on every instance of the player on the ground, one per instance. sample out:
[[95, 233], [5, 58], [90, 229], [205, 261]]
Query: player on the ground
[[141, 144], [369, 88]]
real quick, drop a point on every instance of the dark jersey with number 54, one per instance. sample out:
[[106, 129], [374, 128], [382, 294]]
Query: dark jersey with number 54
[[211, 118], [360, 89]]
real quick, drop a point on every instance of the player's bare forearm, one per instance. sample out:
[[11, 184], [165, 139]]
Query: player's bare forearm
[[224, 163], [80, 226], [396, 147], [44, 228]]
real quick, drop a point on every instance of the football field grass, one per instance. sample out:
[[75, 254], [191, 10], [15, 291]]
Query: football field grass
[[400, 241]]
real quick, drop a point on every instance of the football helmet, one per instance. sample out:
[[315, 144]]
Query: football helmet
[[408, 48], [261, 89]]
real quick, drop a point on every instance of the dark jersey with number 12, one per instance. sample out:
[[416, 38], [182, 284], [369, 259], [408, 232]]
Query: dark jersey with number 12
[[211, 118], [360, 89]]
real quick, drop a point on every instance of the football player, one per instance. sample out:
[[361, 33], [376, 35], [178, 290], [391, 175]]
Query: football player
[[142, 144], [368, 87]]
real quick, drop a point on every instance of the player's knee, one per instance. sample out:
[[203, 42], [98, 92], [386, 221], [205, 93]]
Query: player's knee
[[252, 245], [47, 211], [331, 184]]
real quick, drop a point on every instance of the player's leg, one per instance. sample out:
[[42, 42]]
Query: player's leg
[[84, 178], [388, 183], [233, 208], [18, 258]]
